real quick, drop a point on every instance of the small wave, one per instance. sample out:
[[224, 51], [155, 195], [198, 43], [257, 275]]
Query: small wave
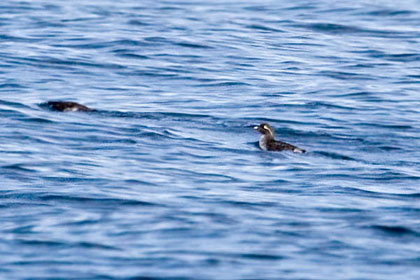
[[340, 75], [34, 120], [389, 148], [387, 126], [318, 104], [333, 28], [18, 167], [94, 245], [224, 84], [402, 57], [13, 104], [51, 62], [170, 116], [340, 29], [95, 201], [193, 45], [395, 230], [389, 13], [9, 38], [11, 86], [137, 22], [127, 54], [261, 256], [48, 243], [263, 28], [258, 8], [334, 155]]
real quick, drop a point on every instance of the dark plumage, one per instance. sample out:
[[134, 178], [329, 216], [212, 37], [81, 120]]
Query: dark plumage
[[268, 143], [67, 106]]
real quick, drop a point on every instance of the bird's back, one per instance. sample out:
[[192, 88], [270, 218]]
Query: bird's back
[[274, 145]]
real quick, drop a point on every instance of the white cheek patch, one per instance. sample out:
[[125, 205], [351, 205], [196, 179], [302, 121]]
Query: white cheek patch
[[269, 130]]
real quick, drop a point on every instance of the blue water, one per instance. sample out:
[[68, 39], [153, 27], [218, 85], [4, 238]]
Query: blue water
[[165, 180]]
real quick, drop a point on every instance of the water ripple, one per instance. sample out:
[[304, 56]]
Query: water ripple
[[165, 179]]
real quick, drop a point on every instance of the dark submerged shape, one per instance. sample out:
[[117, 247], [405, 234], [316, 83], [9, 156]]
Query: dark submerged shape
[[268, 143], [67, 106]]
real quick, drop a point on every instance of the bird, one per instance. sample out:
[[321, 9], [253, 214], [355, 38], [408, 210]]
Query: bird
[[268, 143], [67, 106]]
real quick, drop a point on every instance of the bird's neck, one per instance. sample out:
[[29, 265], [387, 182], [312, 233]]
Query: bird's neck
[[267, 137]]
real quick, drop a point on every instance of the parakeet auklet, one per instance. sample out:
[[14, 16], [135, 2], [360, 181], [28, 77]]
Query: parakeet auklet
[[67, 106], [268, 143]]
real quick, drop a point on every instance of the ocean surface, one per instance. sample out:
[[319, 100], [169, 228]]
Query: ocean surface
[[166, 181]]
